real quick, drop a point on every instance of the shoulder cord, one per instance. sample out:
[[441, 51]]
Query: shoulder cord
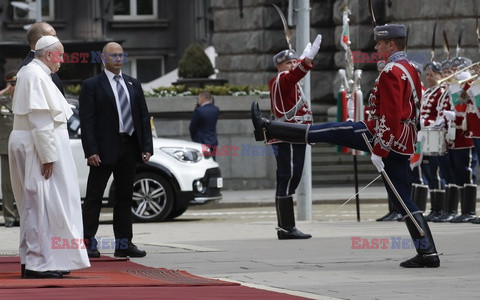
[[285, 113]]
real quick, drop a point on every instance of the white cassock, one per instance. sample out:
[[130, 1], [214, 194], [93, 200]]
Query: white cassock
[[51, 228]]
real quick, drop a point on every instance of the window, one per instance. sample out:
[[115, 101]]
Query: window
[[48, 9], [135, 9], [30, 14], [146, 68]]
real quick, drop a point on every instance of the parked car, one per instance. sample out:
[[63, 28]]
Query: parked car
[[179, 174]]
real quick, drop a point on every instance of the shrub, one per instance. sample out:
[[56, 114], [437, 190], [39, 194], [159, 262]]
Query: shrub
[[195, 63]]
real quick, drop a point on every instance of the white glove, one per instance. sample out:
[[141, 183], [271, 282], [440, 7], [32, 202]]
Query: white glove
[[377, 162], [439, 123], [314, 48], [318, 41], [305, 51], [449, 115]]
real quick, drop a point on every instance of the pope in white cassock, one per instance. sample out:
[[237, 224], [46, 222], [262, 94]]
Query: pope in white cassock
[[43, 172]]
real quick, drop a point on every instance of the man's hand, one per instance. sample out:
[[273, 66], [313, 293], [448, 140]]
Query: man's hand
[[377, 162], [146, 156], [305, 51], [47, 170], [313, 50], [449, 115], [94, 160], [439, 123]]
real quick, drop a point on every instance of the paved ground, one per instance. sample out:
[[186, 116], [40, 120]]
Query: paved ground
[[236, 241]]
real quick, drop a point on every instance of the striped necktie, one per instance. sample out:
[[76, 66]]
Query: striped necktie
[[124, 107]]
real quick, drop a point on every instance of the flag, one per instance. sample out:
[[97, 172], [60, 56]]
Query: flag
[[474, 93], [345, 38], [416, 158]]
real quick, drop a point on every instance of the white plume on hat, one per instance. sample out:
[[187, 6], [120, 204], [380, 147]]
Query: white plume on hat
[[46, 41]]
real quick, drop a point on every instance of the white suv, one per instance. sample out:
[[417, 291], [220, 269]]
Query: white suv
[[180, 173]]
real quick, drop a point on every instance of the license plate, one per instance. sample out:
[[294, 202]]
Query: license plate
[[219, 182]]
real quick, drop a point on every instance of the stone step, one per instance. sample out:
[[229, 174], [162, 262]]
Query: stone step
[[348, 179], [332, 168], [342, 169]]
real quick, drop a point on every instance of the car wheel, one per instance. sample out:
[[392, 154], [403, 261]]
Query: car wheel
[[152, 198], [177, 212]]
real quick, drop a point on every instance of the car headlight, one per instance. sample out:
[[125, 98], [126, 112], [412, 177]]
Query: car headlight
[[187, 155]]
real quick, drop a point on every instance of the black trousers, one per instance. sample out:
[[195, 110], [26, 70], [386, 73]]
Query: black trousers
[[290, 160], [123, 175], [397, 166]]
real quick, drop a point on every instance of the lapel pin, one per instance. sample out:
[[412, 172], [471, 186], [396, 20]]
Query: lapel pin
[[130, 83]]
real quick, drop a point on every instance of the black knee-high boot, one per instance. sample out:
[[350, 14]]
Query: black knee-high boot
[[267, 130], [438, 202], [468, 204], [452, 195], [420, 196], [427, 256], [286, 229]]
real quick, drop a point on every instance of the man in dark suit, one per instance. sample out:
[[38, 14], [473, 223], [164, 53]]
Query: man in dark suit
[[204, 122], [116, 135], [34, 33]]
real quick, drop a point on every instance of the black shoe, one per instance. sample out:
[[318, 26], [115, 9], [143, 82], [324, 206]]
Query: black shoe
[[463, 218], [93, 253], [394, 216], [476, 220], [422, 261], [63, 272], [9, 224], [445, 217], [292, 234], [433, 215], [131, 251], [385, 216], [45, 274]]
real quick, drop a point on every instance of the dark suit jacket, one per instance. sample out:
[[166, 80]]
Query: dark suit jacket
[[55, 78], [99, 118], [203, 124]]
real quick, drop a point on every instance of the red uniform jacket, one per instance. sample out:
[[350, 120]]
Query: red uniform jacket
[[431, 109], [285, 93], [392, 118]]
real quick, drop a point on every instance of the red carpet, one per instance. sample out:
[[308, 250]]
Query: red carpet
[[110, 278]]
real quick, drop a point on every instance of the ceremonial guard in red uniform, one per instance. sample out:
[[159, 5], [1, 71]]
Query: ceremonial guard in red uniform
[[288, 104], [421, 176], [434, 115], [390, 129], [461, 159]]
